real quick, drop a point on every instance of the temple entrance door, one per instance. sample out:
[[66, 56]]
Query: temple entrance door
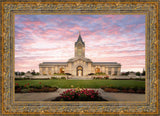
[[79, 71]]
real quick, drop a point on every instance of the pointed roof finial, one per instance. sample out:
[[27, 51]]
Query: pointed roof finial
[[79, 39]]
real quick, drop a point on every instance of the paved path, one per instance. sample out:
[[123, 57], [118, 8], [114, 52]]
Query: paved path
[[48, 96]]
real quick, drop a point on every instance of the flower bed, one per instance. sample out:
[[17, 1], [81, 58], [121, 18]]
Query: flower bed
[[27, 88], [80, 95], [124, 90]]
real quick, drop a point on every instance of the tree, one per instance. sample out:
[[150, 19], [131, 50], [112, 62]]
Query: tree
[[138, 73], [143, 73], [22, 73], [16, 73], [37, 73], [33, 72], [125, 73], [28, 72]]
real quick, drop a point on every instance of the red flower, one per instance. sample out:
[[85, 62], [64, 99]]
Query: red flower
[[25, 85], [78, 94], [28, 84], [92, 96], [39, 82], [17, 84]]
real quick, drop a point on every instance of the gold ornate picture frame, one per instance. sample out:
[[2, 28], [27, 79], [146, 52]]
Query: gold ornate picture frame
[[10, 106]]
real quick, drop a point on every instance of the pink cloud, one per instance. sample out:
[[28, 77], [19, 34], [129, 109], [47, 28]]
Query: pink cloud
[[115, 17]]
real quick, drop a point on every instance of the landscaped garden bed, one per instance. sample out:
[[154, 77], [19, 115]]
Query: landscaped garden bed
[[27, 88], [124, 90], [80, 95]]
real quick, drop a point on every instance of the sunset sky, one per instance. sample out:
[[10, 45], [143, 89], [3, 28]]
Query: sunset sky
[[108, 38]]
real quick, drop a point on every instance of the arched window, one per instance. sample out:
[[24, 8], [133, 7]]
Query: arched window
[[44, 71], [97, 70], [49, 71], [61, 70]]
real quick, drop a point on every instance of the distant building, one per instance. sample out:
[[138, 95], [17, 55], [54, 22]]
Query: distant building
[[79, 65]]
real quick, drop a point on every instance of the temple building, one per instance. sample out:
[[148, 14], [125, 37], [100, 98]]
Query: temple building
[[79, 65]]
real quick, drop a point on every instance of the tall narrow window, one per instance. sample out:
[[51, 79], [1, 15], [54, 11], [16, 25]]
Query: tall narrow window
[[109, 71], [116, 71], [79, 49]]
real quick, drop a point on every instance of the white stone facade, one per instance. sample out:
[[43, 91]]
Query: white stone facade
[[79, 65]]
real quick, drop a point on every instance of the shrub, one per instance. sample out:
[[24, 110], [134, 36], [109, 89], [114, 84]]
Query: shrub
[[26, 78], [100, 73], [135, 88], [68, 74], [142, 88], [120, 88], [97, 78], [106, 77], [33, 86], [17, 86], [48, 86], [39, 87], [59, 74], [53, 77], [125, 73], [91, 74], [63, 78]]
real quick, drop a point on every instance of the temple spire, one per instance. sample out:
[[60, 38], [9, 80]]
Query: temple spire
[[79, 47], [80, 39]]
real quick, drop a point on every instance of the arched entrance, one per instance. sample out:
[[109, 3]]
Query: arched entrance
[[97, 70], [61, 70], [79, 71]]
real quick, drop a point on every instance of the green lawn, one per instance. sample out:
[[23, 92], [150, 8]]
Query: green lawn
[[84, 83]]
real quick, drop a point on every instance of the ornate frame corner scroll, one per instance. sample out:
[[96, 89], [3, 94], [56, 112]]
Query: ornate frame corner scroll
[[10, 9]]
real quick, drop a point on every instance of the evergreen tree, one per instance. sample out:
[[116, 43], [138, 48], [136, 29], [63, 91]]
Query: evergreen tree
[[143, 73]]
